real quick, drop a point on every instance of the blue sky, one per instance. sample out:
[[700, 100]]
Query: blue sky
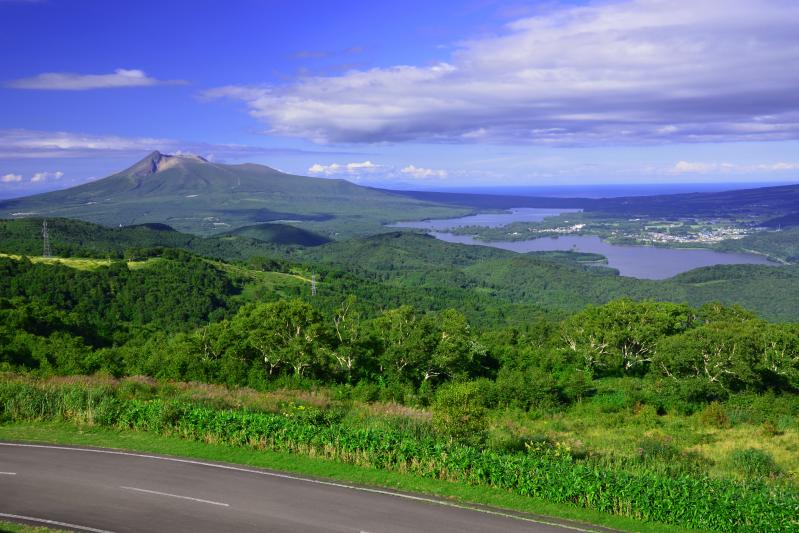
[[415, 93]]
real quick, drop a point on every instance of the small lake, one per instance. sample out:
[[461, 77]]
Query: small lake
[[488, 220], [645, 262]]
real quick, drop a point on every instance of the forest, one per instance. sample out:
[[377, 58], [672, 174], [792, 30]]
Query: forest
[[503, 360]]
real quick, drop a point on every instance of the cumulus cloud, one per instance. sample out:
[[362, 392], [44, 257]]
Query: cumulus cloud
[[783, 166], [35, 144], [687, 167], [45, 176], [367, 171], [622, 71], [70, 81], [423, 173], [11, 178], [343, 168]]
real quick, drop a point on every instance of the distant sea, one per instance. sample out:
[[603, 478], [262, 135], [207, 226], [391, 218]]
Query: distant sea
[[610, 191]]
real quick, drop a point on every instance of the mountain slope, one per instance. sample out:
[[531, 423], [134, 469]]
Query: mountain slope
[[762, 204], [192, 194], [771, 206]]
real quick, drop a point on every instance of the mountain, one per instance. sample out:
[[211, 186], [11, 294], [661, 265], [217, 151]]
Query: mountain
[[770, 206], [195, 195], [762, 204]]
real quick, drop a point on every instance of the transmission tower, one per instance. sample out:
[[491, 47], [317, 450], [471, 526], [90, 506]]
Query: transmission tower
[[313, 284], [46, 252]]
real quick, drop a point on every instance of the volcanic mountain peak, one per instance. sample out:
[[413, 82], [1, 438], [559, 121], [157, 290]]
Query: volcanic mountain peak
[[157, 162], [192, 194]]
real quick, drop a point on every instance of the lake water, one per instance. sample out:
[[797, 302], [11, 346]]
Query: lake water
[[489, 220], [645, 262]]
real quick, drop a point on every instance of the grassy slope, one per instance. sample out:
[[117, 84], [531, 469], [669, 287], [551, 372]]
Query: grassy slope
[[80, 263], [256, 284], [139, 441]]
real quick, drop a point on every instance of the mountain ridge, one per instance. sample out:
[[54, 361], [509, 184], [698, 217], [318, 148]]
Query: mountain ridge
[[770, 205]]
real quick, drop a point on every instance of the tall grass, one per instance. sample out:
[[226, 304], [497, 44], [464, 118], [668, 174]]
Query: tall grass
[[551, 474]]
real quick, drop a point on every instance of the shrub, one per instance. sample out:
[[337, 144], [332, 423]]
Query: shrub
[[696, 391], [576, 385], [526, 389], [768, 429], [366, 391], [715, 415], [657, 449], [505, 441], [613, 402], [754, 463], [458, 413]]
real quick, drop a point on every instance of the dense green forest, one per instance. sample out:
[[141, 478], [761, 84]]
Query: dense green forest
[[391, 292], [187, 318], [491, 286], [417, 260], [535, 359], [75, 238], [783, 245]]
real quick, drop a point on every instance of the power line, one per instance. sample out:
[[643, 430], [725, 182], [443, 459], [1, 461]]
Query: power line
[[46, 252]]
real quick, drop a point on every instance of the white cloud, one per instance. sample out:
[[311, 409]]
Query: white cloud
[[371, 172], [45, 176], [619, 71], [423, 173], [686, 167], [70, 81], [10, 178], [34, 144], [345, 168], [782, 166]]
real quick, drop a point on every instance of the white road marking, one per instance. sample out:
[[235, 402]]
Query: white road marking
[[176, 496], [308, 480], [53, 523], [8, 473]]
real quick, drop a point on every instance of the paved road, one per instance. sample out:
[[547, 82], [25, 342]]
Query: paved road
[[107, 490]]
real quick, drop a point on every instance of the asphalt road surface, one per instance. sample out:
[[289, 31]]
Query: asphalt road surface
[[112, 491]]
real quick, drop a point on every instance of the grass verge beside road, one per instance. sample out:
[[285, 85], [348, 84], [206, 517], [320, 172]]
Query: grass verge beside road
[[13, 527], [66, 433]]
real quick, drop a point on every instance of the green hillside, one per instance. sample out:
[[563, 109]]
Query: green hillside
[[490, 285], [280, 234], [417, 260], [782, 245], [76, 238], [198, 196]]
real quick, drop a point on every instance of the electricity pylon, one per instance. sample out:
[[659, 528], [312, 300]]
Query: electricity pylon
[[46, 252]]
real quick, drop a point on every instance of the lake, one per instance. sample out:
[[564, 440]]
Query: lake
[[645, 262], [488, 220]]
